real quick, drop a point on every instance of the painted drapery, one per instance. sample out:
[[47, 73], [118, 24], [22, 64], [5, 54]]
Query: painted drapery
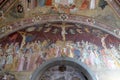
[[48, 2], [84, 4], [92, 4], [42, 2]]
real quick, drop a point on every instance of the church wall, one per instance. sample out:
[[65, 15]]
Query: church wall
[[25, 50], [22, 51]]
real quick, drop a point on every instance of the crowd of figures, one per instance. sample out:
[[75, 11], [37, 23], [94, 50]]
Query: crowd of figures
[[7, 76], [61, 6], [13, 57], [42, 3]]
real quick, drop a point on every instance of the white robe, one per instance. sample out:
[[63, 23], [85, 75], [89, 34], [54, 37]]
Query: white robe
[[64, 2], [92, 4]]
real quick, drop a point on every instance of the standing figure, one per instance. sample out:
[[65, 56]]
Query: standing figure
[[84, 4], [16, 47], [9, 61], [71, 54], [64, 2], [38, 61], [2, 61], [92, 4], [77, 53], [92, 57], [21, 63], [71, 1], [103, 41], [28, 62], [103, 4], [28, 5], [42, 3], [15, 62], [35, 3], [13, 37], [48, 2], [57, 1], [2, 14], [57, 51], [23, 34]]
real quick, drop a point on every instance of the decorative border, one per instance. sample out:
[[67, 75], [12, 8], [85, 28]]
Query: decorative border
[[18, 25], [115, 5]]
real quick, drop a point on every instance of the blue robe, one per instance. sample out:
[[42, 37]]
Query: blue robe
[[30, 38], [77, 53], [42, 3]]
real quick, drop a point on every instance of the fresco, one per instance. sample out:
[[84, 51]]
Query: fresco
[[5, 4], [61, 6], [25, 50], [55, 73]]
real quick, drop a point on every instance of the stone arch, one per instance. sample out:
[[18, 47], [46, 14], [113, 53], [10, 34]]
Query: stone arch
[[82, 68]]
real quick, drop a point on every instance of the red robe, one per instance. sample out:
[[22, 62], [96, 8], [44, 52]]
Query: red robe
[[13, 37], [48, 2], [84, 4]]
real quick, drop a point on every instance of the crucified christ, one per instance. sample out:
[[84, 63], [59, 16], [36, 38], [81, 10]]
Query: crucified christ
[[63, 32]]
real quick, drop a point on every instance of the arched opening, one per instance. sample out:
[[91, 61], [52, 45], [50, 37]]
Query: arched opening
[[63, 68]]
